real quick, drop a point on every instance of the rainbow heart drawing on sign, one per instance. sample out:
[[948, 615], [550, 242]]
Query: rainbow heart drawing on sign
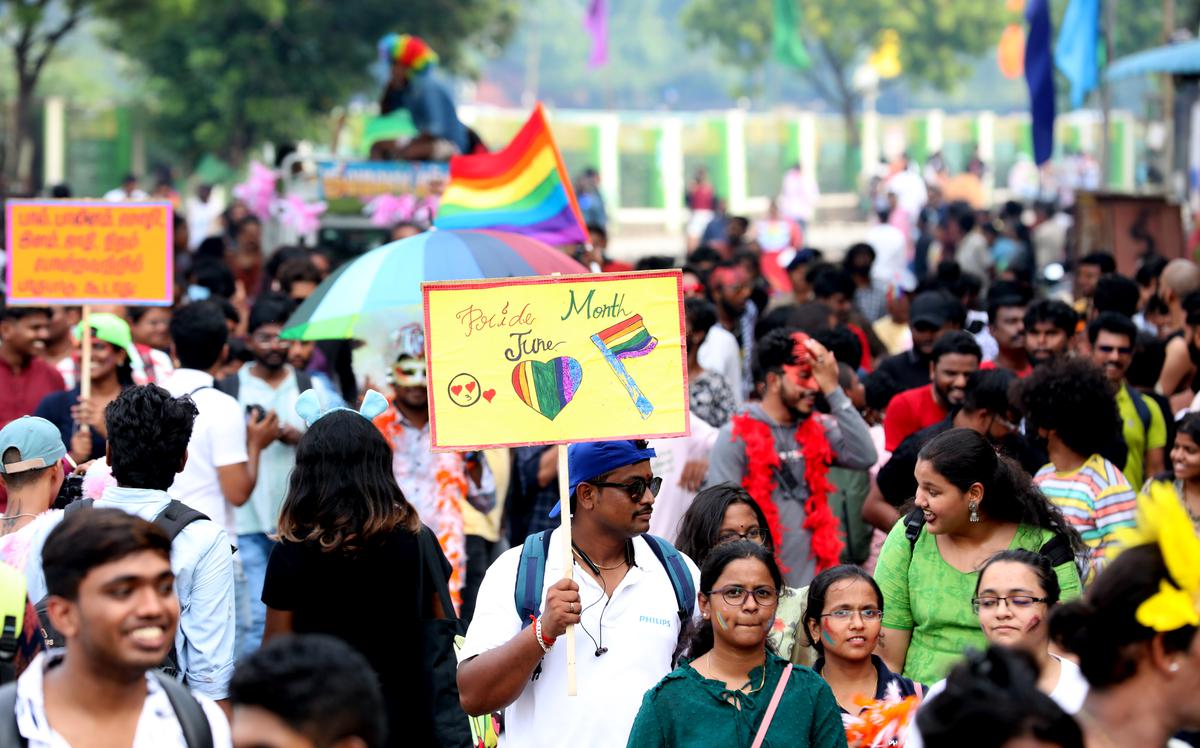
[[547, 386]]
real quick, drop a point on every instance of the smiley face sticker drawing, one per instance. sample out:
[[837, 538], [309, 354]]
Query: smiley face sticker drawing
[[464, 390]]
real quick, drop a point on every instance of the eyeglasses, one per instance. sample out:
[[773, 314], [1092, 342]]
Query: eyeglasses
[[868, 614], [1013, 601], [263, 338], [754, 535], [636, 488], [1122, 350], [767, 597]]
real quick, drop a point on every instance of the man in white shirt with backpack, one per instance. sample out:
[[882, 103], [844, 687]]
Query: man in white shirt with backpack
[[630, 597]]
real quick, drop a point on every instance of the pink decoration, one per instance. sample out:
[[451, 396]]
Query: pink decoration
[[98, 477], [388, 210], [258, 190], [294, 213]]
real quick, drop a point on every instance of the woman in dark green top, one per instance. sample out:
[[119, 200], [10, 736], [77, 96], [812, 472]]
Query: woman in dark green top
[[721, 696]]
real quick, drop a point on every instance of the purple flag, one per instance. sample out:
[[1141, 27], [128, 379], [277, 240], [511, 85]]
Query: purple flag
[[595, 22], [1039, 74]]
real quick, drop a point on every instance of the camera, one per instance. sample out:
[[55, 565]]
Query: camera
[[70, 492]]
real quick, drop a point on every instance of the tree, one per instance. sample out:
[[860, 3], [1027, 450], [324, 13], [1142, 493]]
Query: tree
[[227, 76], [938, 40], [32, 30]]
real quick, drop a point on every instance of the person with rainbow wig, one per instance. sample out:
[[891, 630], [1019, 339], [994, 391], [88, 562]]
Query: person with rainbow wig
[[414, 86]]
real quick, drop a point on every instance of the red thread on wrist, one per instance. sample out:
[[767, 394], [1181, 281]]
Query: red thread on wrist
[[549, 640]]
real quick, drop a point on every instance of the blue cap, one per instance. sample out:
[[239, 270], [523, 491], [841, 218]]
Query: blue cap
[[590, 460], [37, 441]]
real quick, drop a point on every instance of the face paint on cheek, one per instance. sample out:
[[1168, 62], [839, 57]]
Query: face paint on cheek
[[828, 639], [1033, 624], [721, 621]]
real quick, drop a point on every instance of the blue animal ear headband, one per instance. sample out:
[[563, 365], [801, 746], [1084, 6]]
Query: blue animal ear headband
[[308, 406]]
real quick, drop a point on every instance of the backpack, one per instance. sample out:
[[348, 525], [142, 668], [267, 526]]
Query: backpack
[[171, 520], [1057, 549], [231, 386], [531, 575], [197, 733], [1139, 405], [12, 619]]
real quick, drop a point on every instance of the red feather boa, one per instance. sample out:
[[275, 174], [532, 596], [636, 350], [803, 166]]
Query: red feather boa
[[759, 481]]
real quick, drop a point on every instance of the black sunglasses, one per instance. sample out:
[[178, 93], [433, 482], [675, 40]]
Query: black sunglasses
[[635, 488]]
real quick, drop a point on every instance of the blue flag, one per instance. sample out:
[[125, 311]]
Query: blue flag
[[1039, 75], [1075, 50]]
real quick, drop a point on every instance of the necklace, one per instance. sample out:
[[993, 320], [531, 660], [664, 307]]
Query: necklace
[[588, 561], [762, 681]]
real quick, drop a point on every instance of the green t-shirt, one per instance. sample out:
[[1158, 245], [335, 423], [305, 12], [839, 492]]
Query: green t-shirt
[[686, 709], [932, 599], [1138, 438]]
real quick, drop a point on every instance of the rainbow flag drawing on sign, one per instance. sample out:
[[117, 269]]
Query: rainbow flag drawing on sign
[[627, 339], [524, 189]]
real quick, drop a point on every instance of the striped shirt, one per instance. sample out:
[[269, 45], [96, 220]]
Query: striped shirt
[[1096, 499]]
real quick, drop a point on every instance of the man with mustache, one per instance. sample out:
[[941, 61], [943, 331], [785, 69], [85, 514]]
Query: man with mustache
[[268, 385], [623, 600], [1143, 428], [1049, 325], [769, 446], [112, 595], [1006, 322], [955, 358]]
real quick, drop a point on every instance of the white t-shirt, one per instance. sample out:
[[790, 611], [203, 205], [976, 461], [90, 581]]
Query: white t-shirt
[[640, 629], [673, 499], [721, 353], [1068, 693], [218, 439]]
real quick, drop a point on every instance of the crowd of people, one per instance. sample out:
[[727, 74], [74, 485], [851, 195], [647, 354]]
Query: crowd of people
[[924, 492]]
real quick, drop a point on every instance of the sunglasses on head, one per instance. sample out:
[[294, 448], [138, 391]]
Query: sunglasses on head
[[635, 488]]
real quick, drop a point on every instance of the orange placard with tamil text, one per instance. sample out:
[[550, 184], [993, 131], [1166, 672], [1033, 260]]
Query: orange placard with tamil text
[[85, 252]]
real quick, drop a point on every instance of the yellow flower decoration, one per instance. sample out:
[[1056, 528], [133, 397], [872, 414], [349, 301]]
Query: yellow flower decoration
[[1162, 519]]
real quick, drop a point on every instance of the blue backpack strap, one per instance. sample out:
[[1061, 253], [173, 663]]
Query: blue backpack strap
[[677, 570], [531, 576]]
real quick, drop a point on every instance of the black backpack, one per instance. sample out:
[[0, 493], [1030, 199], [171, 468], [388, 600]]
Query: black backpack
[[1057, 549], [196, 731], [171, 520], [231, 386]]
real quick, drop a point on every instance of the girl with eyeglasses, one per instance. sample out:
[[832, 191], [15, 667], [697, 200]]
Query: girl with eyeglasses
[[1014, 598], [725, 513], [970, 505], [734, 692], [843, 622]]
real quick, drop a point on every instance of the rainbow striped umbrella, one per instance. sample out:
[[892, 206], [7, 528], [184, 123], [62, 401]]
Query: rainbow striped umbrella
[[382, 289]]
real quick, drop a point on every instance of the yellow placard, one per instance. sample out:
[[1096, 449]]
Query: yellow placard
[[555, 359], [85, 252]]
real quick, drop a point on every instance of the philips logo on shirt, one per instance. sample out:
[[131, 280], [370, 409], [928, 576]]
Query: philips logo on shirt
[[653, 620]]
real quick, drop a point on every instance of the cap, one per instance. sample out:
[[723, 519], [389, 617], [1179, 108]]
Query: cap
[[111, 329], [931, 307], [589, 460], [801, 257], [801, 372], [37, 440]]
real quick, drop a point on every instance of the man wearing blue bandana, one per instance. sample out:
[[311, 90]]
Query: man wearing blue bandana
[[628, 600]]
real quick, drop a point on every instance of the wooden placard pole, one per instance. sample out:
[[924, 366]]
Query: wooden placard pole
[[564, 496], [85, 362]]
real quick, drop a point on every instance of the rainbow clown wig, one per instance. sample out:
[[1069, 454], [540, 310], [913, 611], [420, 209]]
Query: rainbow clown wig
[[410, 51]]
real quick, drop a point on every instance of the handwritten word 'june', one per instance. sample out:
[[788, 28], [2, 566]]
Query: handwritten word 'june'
[[527, 345], [615, 310], [477, 320]]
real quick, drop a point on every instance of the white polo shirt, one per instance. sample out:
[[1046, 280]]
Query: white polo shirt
[[640, 629], [218, 439]]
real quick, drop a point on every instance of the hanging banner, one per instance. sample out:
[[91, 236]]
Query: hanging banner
[[89, 252], [556, 359]]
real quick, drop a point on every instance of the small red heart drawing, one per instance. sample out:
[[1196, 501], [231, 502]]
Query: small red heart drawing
[[456, 389], [470, 386], [488, 395]]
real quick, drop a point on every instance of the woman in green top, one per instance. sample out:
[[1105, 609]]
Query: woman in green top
[[973, 504], [721, 697], [722, 514]]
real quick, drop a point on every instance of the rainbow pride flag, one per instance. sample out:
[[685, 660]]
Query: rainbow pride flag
[[628, 339], [523, 189]]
